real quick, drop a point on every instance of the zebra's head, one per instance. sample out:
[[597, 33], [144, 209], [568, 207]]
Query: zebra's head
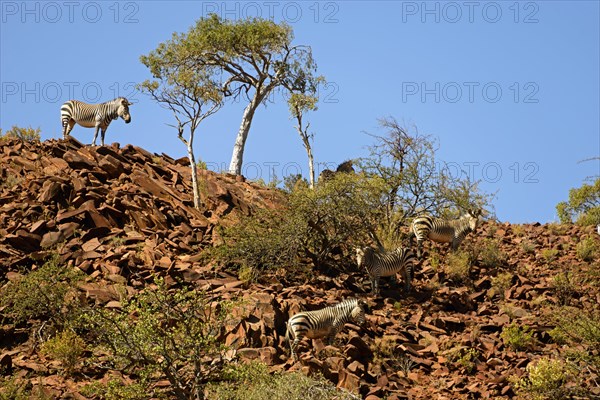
[[361, 253], [359, 312], [473, 218], [123, 110]]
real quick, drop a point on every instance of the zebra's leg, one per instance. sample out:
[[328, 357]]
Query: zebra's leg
[[95, 135], [293, 346], [419, 248], [102, 133], [68, 127], [407, 275], [455, 244]]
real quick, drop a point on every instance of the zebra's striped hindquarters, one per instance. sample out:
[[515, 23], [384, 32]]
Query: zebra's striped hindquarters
[[380, 264], [327, 322]]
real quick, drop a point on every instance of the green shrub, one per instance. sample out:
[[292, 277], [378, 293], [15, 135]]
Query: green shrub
[[67, 348], [550, 255], [48, 292], [11, 389], [516, 337], [176, 334], [564, 287], [528, 247], [547, 379], [583, 205], [501, 282], [26, 134], [587, 250], [115, 389], [459, 265], [491, 255], [313, 224], [252, 381]]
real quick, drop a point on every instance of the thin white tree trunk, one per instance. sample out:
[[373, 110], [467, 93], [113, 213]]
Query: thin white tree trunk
[[190, 150], [195, 184], [311, 161], [237, 157]]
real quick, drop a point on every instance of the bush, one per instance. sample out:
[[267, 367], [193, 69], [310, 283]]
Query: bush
[[252, 381], [491, 256], [583, 205], [501, 282], [314, 224], [26, 134], [459, 265], [587, 249], [550, 255], [174, 333], [115, 389], [564, 287], [546, 379], [48, 292], [516, 337], [67, 347]]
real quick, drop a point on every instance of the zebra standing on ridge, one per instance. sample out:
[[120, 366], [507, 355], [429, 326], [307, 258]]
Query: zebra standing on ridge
[[380, 264], [97, 116], [326, 322], [443, 230]]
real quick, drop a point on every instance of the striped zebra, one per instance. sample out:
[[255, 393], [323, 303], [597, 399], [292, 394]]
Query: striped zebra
[[380, 264], [326, 322], [97, 116], [443, 230]]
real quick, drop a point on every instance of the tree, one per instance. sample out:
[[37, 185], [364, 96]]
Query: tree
[[26, 134], [255, 56], [583, 205], [412, 181], [300, 104], [192, 95]]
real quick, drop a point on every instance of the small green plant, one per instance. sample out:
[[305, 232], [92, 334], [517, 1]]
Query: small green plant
[[587, 249], [116, 389], [201, 165], [491, 255], [517, 337], [518, 230], [12, 389], [67, 347], [459, 266], [528, 247], [26, 134], [48, 292], [501, 282], [558, 229], [546, 380], [252, 381], [434, 259], [550, 255], [564, 287], [468, 360], [117, 241]]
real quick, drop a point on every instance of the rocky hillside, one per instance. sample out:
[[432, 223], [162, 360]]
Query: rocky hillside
[[124, 216]]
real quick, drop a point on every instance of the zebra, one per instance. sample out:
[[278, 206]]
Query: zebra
[[326, 322], [380, 264], [97, 116], [443, 230]]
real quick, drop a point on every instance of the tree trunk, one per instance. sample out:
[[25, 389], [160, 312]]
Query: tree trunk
[[190, 149], [195, 184], [237, 158], [311, 161]]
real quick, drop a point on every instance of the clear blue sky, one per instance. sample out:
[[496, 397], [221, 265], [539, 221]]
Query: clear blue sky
[[510, 89]]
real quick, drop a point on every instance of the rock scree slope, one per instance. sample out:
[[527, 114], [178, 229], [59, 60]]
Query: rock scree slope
[[124, 216]]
